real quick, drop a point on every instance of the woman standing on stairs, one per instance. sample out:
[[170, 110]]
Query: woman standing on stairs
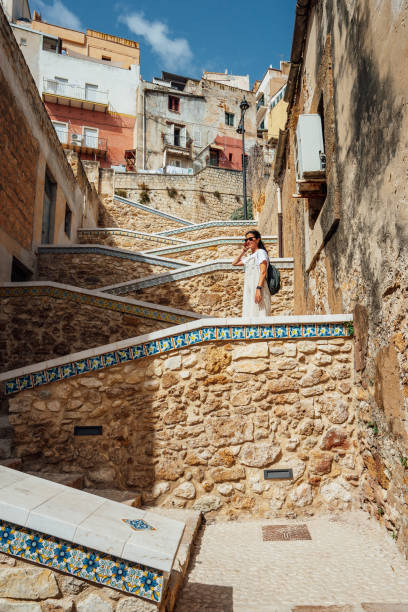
[[256, 301]]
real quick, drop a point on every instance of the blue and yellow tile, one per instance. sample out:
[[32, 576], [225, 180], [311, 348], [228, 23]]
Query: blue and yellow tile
[[338, 330], [25, 382], [180, 340], [223, 333], [266, 331], [39, 378], [323, 331], [281, 331], [110, 359], [68, 370], [238, 333], [82, 366], [124, 355], [152, 348], [11, 386], [166, 344], [194, 337], [252, 332], [295, 331], [309, 331], [208, 333], [53, 374]]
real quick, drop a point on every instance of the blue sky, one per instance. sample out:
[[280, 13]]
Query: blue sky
[[188, 37]]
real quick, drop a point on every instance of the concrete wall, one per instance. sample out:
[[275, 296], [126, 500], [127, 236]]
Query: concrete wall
[[211, 194], [351, 256], [32, 146]]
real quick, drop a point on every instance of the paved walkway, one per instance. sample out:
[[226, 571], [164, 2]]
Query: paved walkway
[[350, 564]]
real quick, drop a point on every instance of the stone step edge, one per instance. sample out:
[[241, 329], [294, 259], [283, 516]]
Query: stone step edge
[[191, 269], [151, 210], [135, 536], [290, 327], [97, 249], [148, 310], [189, 246], [130, 233], [216, 223]]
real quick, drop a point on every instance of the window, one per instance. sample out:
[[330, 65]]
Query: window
[[23, 42], [90, 137], [197, 137], [229, 118], [91, 92], [230, 157], [261, 102], [50, 44], [50, 191], [177, 131], [174, 104], [214, 157], [262, 125], [68, 220], [62, 130], [106, 58]]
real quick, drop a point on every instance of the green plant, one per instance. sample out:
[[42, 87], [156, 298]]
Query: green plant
[[173, 193], [121, 192], [238, 213], [144, 193], [404, 461], [373, 425], [217, 195], [394, 535], [350, 328], [380, 510]]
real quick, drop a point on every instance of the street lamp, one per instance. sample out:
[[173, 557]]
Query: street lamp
[[241, 130]]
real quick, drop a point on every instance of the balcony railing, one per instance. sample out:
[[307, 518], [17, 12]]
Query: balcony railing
[[83, 143], [175, 141], [75, 92]]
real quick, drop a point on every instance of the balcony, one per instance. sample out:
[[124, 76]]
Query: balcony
[[67, 94], [176, 144], [82, 143]]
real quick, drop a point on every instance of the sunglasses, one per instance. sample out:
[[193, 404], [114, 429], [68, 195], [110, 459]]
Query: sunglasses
[[249, 239]]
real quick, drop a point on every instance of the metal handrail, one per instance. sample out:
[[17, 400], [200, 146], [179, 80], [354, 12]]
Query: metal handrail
[[69, 90]]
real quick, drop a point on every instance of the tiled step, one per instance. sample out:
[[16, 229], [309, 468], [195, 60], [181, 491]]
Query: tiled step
[[76, 481]]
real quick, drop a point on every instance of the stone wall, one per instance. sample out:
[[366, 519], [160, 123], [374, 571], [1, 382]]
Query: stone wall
[[92, 270], [212, 232], [36, 329], [211, 194], [120, 242], [350, 249], [114, 213], [196, 428], [217, 293]]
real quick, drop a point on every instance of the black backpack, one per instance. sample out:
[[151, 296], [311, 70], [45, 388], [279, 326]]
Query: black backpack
[[273, 279]]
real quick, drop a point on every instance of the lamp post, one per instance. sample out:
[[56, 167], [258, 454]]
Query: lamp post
[[241, 130]]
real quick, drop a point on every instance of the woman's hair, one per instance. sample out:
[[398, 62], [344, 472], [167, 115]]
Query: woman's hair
[[257, 235]]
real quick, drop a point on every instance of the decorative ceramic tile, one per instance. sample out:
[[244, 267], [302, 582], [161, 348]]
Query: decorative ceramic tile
[[295, 331], [238, 333], [266, 331], [53, 374], [152, 348], [194, 337], [68, 370], [110, 359], [323, 331], [82, 366], [180, 340], [281, 331], [124, 355], [309, 331], [223, 333], [25, 382], [138, 351], [81, 562], [338, 330], [252, 332], [138, 524], [208, 333], [11, 386], [166, 344]]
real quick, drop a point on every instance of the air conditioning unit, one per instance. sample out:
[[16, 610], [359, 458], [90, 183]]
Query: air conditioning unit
[[76, 139], [309, 149]]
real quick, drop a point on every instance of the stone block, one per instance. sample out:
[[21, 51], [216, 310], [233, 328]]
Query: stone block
[[250, 366], [302, 495], [284, 383], [173, 363], [27, 583], [335, 437], [336, 409], [6, 605], [253, 350], [186, 491], [206, 503], [336, 490], [259, 454], [58, 605], [320, 463], [221, 474], [94, 603]]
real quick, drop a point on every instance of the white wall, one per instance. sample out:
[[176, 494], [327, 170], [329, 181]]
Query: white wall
[[122, 84]]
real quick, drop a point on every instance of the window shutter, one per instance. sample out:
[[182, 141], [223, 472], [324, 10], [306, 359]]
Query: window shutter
[[183, 137], [197, 137]]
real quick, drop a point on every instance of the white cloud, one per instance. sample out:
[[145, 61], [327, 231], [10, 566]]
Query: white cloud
[[58, 14], [174, 53]]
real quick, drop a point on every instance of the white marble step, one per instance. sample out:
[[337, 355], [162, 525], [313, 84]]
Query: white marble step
[[88, 520]]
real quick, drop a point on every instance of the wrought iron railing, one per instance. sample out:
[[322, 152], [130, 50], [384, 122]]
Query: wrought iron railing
[[69, 90]]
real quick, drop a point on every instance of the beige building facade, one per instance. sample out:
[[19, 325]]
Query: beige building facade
[[346, 225]]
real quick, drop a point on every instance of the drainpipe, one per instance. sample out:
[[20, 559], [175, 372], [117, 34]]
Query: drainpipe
[[280, 233], [144, 129]]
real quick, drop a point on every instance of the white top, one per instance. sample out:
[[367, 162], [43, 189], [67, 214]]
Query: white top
[[260, 255], [252, 272]]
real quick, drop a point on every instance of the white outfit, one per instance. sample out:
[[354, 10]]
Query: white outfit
[[252, 272]]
